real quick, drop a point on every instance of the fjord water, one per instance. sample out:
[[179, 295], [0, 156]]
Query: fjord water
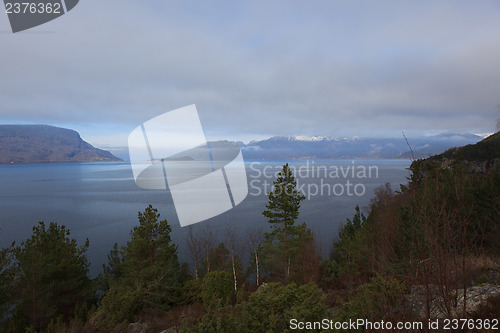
[[100, 201]]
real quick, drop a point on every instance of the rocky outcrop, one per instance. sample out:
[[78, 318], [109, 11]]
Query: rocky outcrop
[[484, 166], [423, 299], [137, 328]]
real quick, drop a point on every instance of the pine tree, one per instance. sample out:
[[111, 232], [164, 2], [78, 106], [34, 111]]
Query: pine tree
[[51, 275], [111, 271], [147, 276], [150, 259], [282, 211], [6, 279]]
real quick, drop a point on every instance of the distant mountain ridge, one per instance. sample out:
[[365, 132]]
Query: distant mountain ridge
[[31, 144], [330, 147], [302, 147]]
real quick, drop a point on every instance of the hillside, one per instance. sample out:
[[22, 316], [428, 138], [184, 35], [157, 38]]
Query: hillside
[[480, 157], [30, 144]]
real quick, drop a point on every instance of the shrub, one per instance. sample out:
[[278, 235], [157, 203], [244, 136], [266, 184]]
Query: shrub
[[373, 300], [119, 307], [191, 292], [271, 308], [217, 289]]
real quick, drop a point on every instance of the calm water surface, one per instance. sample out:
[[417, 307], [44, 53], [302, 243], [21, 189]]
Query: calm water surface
[[100, 201]]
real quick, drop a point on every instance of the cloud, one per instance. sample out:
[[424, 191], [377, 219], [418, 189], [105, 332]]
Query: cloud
[[259, 68]]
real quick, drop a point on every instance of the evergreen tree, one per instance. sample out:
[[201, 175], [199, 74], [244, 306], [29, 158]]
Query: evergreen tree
[[150, 258], [148, 275], [219, 259], [282, 211], [5, 280], [111, 271], [351, 238], [50, 276]]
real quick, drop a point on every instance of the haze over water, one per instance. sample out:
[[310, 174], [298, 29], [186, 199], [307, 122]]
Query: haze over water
[[100, 201]]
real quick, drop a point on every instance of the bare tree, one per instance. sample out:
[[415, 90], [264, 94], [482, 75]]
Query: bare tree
[[194, 245], [231, 240], [441, 245], [309, 256], [208, 241], [255, 237], [411, 150]]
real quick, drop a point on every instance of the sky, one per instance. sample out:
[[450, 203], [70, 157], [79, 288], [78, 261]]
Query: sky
[[256, 69]]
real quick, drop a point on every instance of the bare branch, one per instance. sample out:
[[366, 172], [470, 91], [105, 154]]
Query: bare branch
[[411, 150]]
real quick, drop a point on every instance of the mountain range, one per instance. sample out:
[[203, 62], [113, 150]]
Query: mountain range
[[329, 147], [22, 144], [305, 147]]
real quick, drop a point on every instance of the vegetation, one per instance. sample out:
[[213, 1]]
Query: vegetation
[[289, 249], [268, 310], [409, 257], [147, 275], [5, 280], [217, 289], [282, 211], [484, 150], [49, 278], [427, 241]]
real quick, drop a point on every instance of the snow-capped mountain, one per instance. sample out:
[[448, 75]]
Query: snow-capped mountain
[[300, 147], [330, 147]]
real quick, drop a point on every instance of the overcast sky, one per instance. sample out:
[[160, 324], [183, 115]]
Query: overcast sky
[[258, 68]]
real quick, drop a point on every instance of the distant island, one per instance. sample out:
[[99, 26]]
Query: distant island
[[32, 144]]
